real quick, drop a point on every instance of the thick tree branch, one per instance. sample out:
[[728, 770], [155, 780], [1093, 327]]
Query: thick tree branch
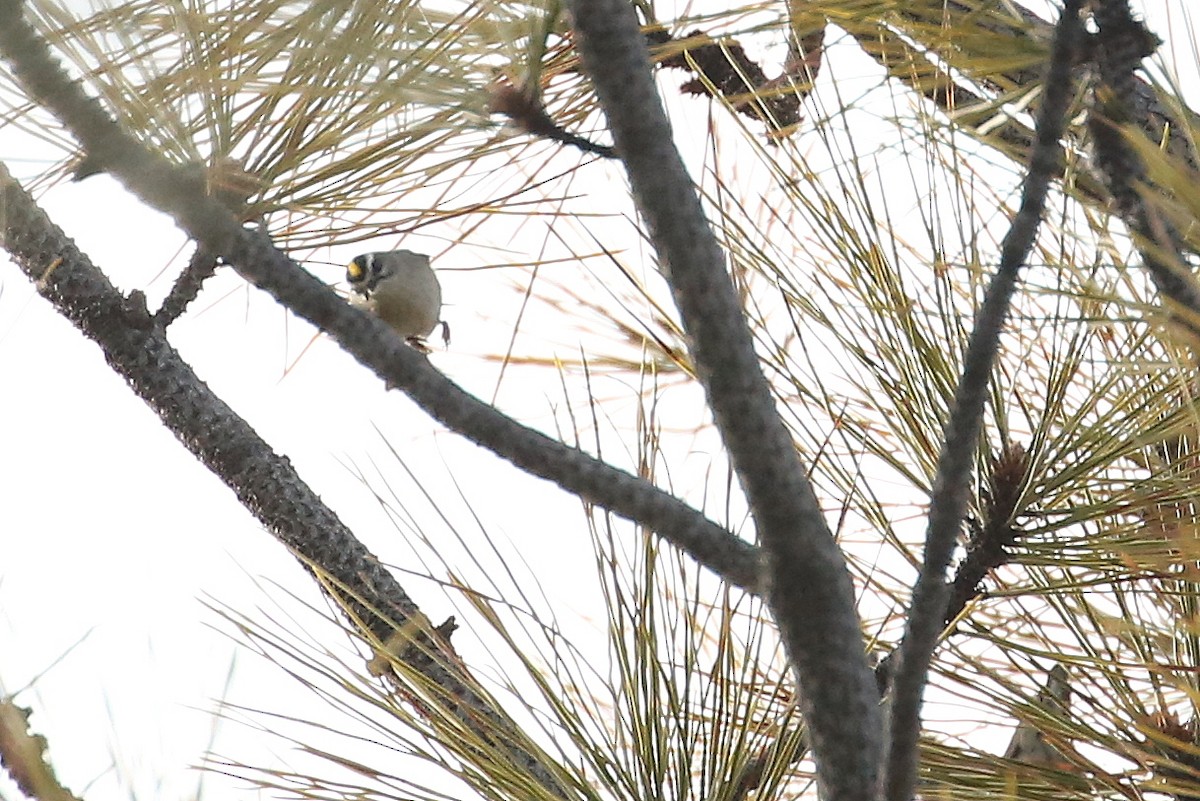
[[366, 337], [809, 586], [951, 485]]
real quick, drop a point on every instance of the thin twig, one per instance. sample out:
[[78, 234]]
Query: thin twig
[[200, 267], [527, 113]]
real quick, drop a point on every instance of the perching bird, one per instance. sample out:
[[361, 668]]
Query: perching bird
[[401, 289], [1029, 743]]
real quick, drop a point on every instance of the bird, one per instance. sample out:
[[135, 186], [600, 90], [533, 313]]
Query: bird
[[399, 287], [1029, 743]]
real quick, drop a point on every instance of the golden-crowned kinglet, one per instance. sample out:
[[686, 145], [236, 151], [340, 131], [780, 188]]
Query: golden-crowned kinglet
[[400, 288]]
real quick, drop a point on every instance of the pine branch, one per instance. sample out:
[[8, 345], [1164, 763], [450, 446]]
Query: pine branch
[[263, 481], [910, 64], [948, 501], [367, 338], [1118, 110], [527, 113], [809, 586]]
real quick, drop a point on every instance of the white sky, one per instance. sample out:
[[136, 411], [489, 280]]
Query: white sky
[[112, 534]]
